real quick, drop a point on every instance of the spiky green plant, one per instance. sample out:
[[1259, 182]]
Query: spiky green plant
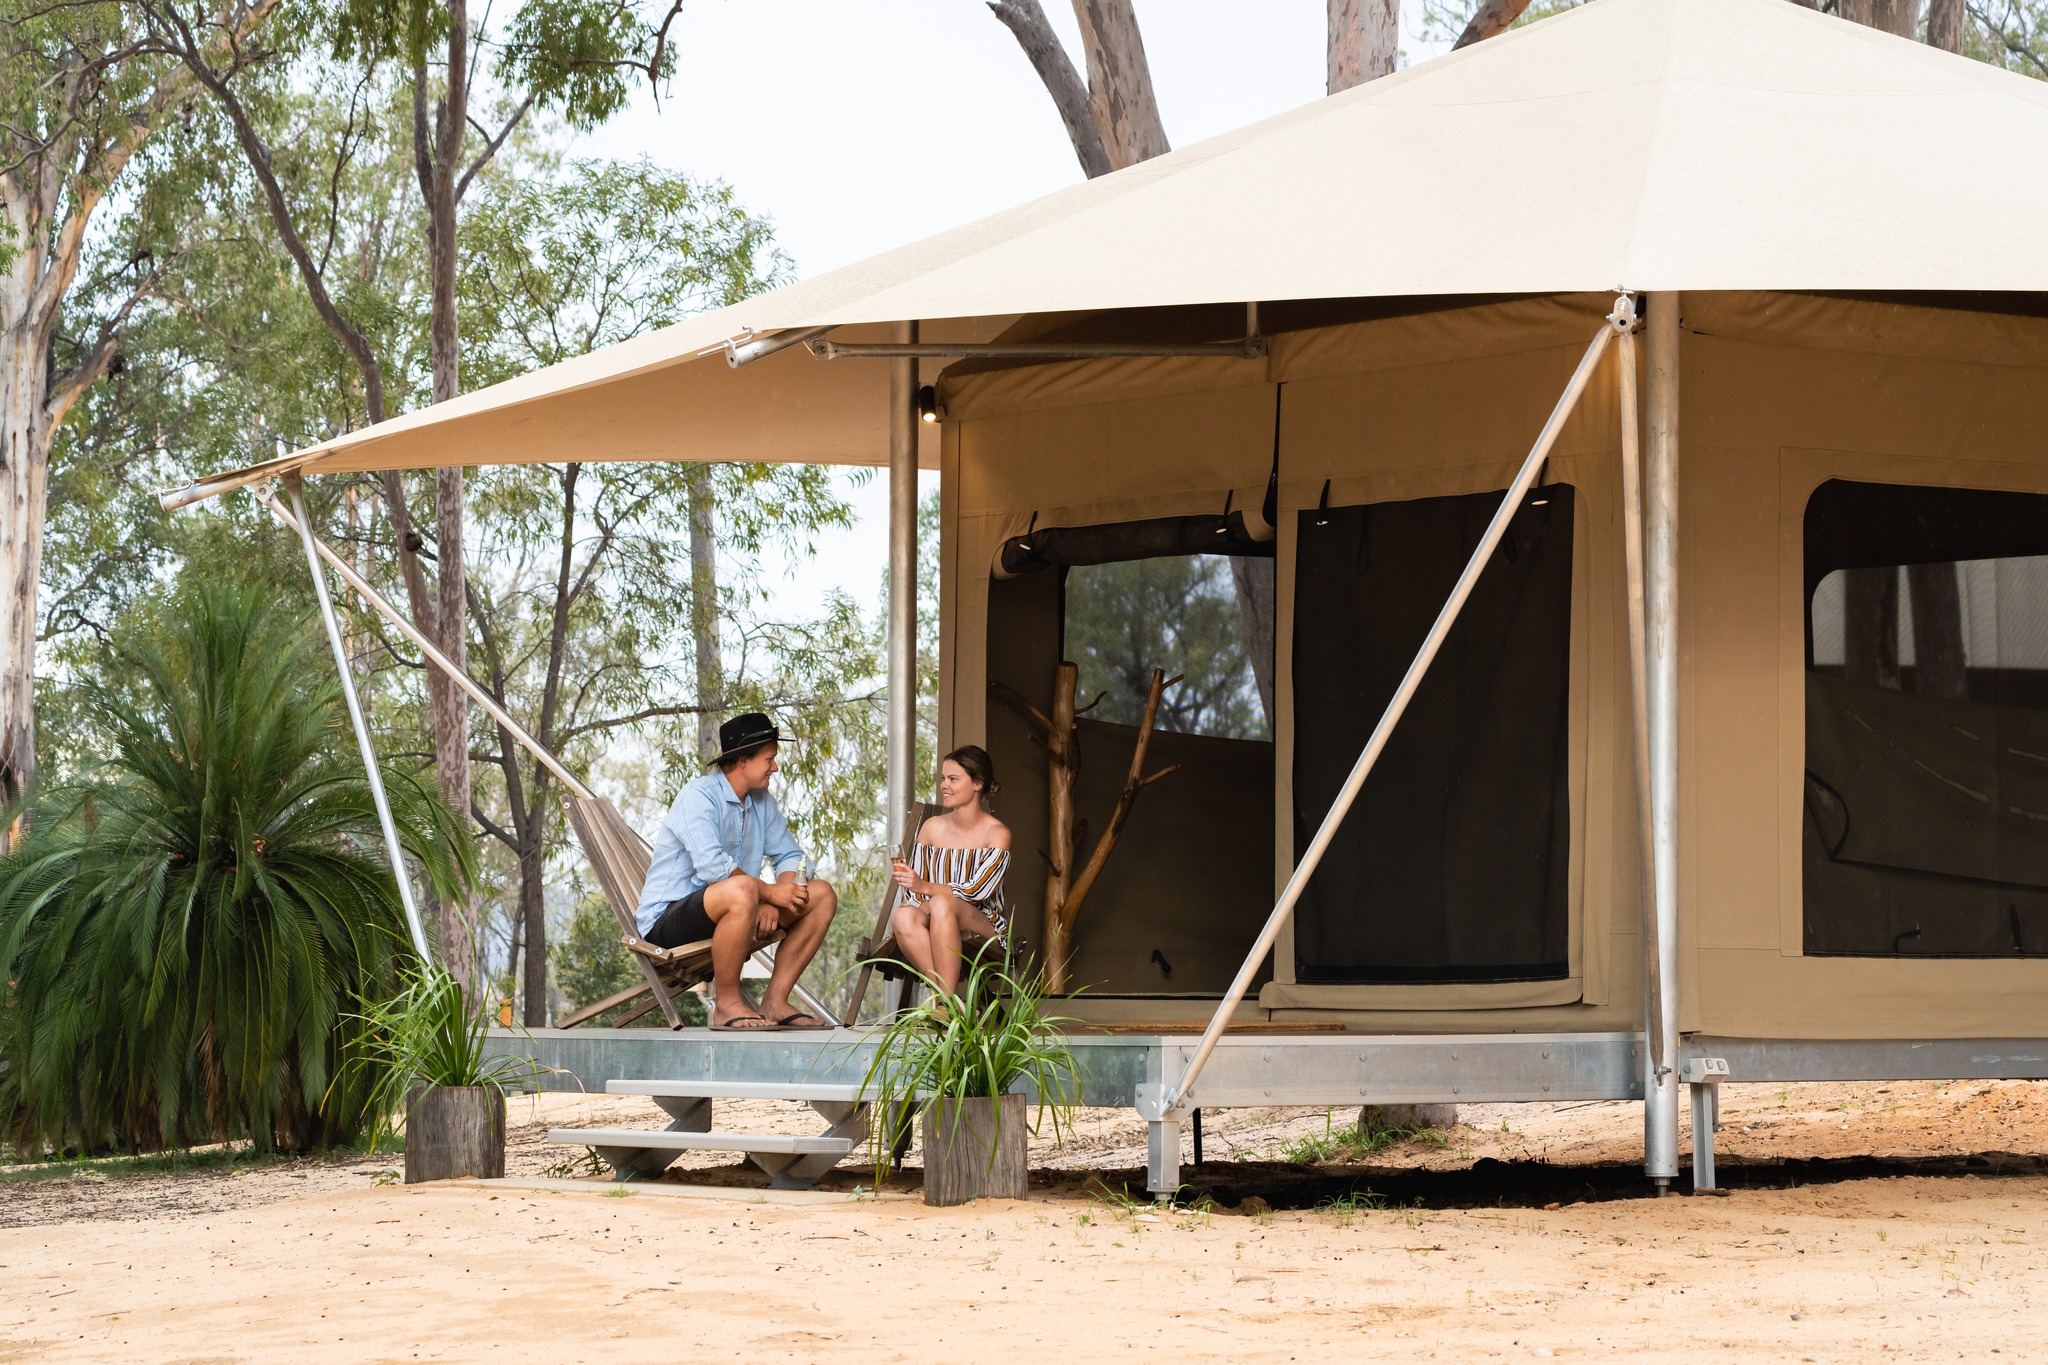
[[186, 927], [980, 1043], [430, 1033]]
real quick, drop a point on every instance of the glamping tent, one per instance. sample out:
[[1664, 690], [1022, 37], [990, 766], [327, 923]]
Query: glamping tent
[[1743, 771]]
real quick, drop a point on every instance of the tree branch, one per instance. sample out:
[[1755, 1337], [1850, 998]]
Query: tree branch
[[1027, 23]]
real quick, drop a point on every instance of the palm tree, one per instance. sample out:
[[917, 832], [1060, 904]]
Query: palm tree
[[188, 929]]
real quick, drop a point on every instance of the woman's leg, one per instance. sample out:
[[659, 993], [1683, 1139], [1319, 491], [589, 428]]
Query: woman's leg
[[945, 939], [912, 926]]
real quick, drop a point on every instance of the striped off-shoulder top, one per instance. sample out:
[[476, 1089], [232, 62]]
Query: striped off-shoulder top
[[974, 874]]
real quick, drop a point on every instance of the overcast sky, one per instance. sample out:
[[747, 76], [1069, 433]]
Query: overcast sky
[[859, 125]]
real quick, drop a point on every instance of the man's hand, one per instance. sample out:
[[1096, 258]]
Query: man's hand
[[766, 921]]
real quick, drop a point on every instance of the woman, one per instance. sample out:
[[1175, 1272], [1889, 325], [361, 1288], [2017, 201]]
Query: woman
[[952, 887]]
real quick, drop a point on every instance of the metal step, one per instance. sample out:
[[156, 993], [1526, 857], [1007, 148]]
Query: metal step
[[800, 1091], [661, 1139], [792, 1163]]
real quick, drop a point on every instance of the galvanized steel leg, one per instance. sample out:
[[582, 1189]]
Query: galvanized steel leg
[[1706, 1116], [375, 775], [1660, 1080], [1162, 1158]]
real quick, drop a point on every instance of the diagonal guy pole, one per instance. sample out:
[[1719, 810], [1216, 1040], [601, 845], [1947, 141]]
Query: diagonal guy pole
[[1176, 1099]]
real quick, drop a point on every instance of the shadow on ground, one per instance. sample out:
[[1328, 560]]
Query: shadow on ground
[[1255, 1186]]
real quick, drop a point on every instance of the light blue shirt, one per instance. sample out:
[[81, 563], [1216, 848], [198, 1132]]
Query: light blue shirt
[[707, 835]]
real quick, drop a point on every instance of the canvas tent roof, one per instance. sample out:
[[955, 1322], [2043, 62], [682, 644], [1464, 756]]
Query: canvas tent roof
[[1642, 144]]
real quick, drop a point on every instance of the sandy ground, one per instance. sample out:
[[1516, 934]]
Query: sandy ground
[[1857, 1257]]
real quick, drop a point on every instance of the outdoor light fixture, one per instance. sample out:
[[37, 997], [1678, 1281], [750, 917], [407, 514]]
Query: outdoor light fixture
[[928, 404]]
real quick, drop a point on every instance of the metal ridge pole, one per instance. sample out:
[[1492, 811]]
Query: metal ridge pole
[[1497, 528], [1660, 1094], [902, 714], [434, 656], [355, 718]]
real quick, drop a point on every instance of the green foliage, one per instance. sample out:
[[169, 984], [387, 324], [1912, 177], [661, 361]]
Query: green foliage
[[577, 58], [591, 962], [430, 1033], [1354, 1142], [991, 1038], [1176, 612], [186, 921]]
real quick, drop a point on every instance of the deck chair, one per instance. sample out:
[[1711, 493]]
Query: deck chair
[[620, 857], [878, 951]]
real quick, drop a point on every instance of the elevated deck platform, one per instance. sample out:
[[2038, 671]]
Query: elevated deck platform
[[1255, 1068]]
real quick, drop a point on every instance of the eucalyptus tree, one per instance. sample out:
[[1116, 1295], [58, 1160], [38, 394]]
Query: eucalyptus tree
[[79, 100], [590, 613], [467, 88]]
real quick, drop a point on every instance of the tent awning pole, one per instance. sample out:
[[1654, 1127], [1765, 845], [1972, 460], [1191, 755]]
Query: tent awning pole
[[902, 715], [1660, 1094], [355, 718], [1525, 477], [434, 656], [1654, 1059]]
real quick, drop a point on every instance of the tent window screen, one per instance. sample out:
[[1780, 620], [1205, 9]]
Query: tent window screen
[[1206, 617], [1452, 865], [1926, 785]]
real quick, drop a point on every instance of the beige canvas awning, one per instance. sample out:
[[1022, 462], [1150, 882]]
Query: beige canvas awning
[[1640, 144]]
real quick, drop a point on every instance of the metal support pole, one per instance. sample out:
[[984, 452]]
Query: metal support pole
[[902, 584], [1660, 574], [1176, 1098], [362, 728]]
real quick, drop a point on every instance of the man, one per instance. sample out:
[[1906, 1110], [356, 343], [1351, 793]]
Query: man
[[702, 882]]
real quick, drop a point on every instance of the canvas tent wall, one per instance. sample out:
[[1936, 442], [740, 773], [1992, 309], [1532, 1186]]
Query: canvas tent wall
[[1780, 394]]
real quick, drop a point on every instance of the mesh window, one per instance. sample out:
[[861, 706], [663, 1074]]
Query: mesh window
[[1926, 785], [1206, 617], [1452, 864]]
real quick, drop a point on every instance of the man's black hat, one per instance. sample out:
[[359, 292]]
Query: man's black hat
[[744, 732]]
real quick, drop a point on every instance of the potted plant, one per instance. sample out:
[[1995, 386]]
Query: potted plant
[[968, 1060], [425, 1047]]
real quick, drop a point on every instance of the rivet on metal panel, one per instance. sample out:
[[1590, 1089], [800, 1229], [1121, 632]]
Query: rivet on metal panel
[[1454, 1056], [1546, 1088], [1265, 1056], [1546, 1056], [1269, 1092], [1454, 1090]]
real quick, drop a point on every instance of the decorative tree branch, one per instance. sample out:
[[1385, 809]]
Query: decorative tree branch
[[1492, 17], [1060, 735], [1027, 22]]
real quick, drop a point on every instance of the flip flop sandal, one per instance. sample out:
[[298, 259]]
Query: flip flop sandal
[[738, 1024], [788, 1021]]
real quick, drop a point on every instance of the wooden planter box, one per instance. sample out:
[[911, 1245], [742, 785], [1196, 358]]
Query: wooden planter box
[[959, 1136], [454, 1133]]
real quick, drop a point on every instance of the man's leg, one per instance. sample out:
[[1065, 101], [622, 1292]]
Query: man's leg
[[805, 931], [730, 905]]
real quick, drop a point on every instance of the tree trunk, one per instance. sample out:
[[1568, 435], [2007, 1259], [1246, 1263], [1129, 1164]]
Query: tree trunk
[[25, 432], [1492, 17], [704, 610], [1364, 41], [533, 908], [1870, 627], [1256, 604], [1892, 16], [436, 163], [1938, 669], [1120, 83], [1945, 25], [1027, 23]]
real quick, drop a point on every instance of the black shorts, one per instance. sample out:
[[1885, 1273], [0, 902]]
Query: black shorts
[[684, 921]]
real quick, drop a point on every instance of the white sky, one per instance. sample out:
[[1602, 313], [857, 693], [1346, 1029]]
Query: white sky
[[859, 125]]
